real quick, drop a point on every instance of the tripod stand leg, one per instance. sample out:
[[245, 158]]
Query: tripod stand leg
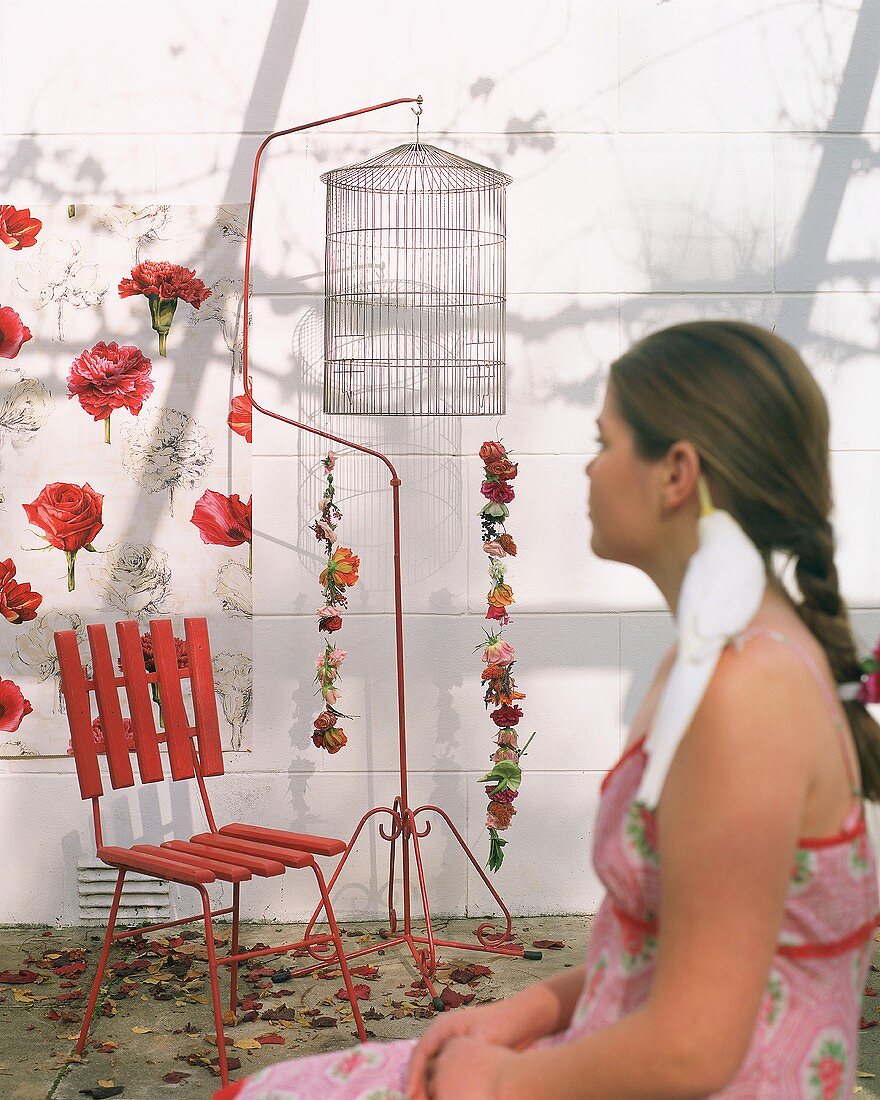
[[486, 933], [396, 826]]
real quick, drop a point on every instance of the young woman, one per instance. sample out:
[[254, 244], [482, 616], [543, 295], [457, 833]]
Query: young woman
[[730, 953]]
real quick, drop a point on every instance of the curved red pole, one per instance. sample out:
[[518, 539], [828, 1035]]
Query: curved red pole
[[395, 480]]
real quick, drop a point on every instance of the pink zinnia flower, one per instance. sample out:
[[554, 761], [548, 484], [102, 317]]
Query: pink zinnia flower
[[13, 333]]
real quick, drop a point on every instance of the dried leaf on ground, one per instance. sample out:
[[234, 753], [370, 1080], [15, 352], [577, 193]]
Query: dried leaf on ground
[[548, 945], [361, 992]]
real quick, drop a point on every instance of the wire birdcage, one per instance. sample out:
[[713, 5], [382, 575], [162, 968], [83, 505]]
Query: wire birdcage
[[414, 305]]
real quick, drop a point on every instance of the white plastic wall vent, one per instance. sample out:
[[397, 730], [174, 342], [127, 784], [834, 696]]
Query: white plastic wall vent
[[143, 900]]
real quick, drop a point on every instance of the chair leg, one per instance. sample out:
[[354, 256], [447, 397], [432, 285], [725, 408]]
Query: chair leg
[[102, 963], [233, 967], [340, 954], [215, 986]]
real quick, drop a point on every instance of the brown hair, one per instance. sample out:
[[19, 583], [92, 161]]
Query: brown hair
[[747, 402]]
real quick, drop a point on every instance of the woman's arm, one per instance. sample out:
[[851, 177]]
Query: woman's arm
[[550, 1003], [728, 825]]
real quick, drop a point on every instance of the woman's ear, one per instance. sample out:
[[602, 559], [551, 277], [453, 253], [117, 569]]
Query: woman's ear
[[681, 474]]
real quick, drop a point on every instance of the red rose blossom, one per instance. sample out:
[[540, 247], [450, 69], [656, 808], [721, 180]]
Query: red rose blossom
[[70, 516], [110, 377], [498, 491], [331, 623], [13, 706], [240, 418], [165, 281], [222, 520], [17, 228], [324, 721], [506, 716], [503, 469], [13, 333], [18, 603], [492, 451]]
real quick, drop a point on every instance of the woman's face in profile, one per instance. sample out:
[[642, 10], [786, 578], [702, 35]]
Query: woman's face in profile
[[624, 496]]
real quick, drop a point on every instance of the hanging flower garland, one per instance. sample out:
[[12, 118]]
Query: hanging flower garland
[[341, 573], [506, 775]]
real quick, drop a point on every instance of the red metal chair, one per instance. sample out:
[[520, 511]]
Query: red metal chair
[[233, 853]]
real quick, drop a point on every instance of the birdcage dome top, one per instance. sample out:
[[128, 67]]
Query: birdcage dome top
[[416, 168]]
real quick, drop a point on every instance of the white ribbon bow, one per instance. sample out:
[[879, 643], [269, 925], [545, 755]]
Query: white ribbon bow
[[722, 590]]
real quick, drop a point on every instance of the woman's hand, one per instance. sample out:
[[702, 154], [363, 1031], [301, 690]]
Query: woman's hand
[[465, 1067], [508, 1024]]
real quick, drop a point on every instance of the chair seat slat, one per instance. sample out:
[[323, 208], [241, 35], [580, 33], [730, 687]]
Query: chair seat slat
[[140, 706], [176, 721], [153, 865], [265, 868], [79, 714], [109, 710], [226, 871], [287, 856], [303, 842]]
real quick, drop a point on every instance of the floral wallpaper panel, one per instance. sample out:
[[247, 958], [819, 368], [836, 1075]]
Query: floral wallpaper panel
[[124, 476]]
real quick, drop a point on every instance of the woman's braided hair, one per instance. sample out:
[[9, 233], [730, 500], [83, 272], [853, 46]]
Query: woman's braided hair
[[759, 421]]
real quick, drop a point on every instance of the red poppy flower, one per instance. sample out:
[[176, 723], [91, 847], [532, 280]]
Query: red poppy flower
[[110, 377], [18, 603], [13, 706], [222, 520], [13, 333], [17, 228], [240, 418]]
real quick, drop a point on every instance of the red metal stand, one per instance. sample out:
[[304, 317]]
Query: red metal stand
[[403, 826]]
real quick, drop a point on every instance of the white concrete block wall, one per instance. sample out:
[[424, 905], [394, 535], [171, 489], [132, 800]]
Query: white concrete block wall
[[693, 158]]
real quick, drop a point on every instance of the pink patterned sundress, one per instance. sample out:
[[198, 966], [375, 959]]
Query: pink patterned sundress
[[804, 1046]]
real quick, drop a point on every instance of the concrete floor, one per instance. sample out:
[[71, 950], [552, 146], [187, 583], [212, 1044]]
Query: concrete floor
[[161, 1011]]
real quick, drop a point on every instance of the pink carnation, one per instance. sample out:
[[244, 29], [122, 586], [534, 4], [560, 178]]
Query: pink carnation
[[110, 377]]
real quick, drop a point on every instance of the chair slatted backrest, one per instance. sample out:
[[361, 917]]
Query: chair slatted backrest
[[137, 681]]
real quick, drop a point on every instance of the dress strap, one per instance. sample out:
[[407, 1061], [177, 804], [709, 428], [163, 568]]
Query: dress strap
[[739, 640]]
